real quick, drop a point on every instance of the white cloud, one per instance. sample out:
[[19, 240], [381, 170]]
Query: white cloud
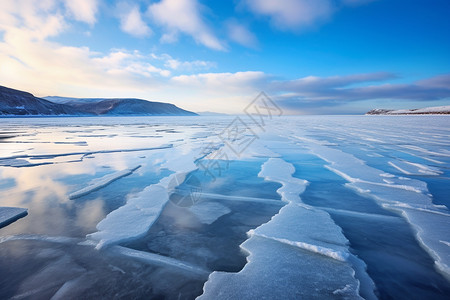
[[183, 16], [131, 21], [125, 62], [176, 64], [83, 10], [292, 14], [223, 82], [241, 35], [32, 17], [55, 69], [221, 92], [28, 61]]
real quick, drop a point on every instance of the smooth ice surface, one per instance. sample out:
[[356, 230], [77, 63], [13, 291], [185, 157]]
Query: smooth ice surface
[[209, 212], [11, 214], [159, 260]]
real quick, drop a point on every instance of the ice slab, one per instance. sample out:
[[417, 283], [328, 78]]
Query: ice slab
[[219, 197], [410, 168], [99, 183], [276, 270], [159, 260], [432, 230], [9, 215], [133, 219], [83, 153], [299, 237], [20, 163], [306, 228], [141, 211], [278, 170]]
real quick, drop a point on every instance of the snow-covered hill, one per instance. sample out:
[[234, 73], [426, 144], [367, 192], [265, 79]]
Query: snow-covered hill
[[421, 111]]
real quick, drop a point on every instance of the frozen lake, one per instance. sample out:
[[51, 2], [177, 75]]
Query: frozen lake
[[325, 207]]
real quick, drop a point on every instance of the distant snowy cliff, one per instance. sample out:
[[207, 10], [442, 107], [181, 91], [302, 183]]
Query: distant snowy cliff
[[441, 110], [18, 103]]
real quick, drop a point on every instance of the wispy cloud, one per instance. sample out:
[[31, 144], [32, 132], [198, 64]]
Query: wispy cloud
[[292, 14], [184, 16], [131, 20], [83, 10], [224, 82], [241, 34], [296, 15]]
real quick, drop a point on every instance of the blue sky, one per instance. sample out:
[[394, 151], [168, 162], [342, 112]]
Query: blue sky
[[311, 56]]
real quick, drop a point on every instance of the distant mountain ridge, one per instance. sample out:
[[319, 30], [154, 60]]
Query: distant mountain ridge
[[437, 110], [121, 106], [14, 102]]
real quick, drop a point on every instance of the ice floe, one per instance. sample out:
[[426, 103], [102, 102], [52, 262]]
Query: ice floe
[[276, 169], [99, 183], [9, 215]]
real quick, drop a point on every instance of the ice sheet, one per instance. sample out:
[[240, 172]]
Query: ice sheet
[[283, 263], [409, 197], [299, 237]]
